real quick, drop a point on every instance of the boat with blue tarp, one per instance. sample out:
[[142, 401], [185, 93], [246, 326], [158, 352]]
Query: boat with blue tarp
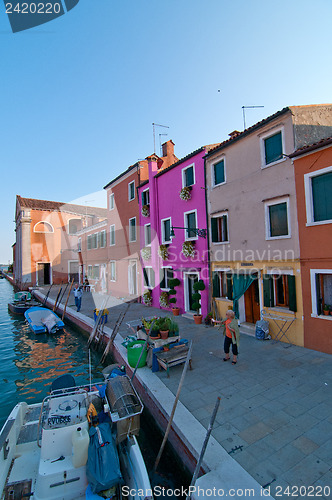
[[43, 320]]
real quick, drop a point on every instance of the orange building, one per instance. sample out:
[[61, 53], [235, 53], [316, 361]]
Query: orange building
[[46, 249], [313, 179]]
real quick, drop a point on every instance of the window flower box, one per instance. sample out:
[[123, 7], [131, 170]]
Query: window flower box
[[146, 253], [185, 193], [145, 211], [163, 252], [188, 249]]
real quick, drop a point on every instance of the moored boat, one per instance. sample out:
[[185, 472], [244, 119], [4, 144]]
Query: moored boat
[[64, 448], [43, 320], [22, 302]]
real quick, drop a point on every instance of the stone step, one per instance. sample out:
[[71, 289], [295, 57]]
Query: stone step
[[188, 315]]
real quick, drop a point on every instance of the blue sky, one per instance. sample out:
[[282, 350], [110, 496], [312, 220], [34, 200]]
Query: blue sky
[[79, 94]]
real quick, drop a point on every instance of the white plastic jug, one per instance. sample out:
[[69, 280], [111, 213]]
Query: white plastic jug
[[80, 440]]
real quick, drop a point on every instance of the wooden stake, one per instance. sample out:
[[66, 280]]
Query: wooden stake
[[56, 301], [94, 330], [63, 314], [206, 440], [114, 332], [174, 407]]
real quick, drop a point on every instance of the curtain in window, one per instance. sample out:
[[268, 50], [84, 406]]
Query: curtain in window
[[241, 283]]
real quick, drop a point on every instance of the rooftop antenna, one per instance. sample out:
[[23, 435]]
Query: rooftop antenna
[[154, 125], [161, 150], [244, 116]]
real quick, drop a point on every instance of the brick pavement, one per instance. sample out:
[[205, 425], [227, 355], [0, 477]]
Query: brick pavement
[[275, 417]]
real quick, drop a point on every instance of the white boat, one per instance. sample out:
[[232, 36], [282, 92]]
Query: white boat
[[40, 457]]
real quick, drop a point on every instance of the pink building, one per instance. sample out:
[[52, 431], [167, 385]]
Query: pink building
[[173, 231]]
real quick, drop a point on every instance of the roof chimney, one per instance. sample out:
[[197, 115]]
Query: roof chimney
[[168, 148], [234, 134]]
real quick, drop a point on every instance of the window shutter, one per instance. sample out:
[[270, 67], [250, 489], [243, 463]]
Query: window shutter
[[189, 174], [292, 293], [268, 296], [162, 278], [229, 286], [215, 284], [278, 219], [273, 148], [214, 229], [219, 172], [318, 294], [145, 275], [224, 228], [321, 194]]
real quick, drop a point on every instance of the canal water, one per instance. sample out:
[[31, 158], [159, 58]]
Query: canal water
[[29, 363]]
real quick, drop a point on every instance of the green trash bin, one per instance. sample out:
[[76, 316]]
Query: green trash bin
[[134, 350]]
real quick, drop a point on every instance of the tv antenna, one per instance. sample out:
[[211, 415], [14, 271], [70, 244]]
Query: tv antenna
[[244, 116], [154, 125]]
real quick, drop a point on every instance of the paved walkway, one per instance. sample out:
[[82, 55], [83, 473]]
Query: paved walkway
[[275, 416]]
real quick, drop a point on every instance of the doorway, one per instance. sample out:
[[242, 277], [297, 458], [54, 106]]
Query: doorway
[[132, 277], [189, 280], [251, 303], [43, 273]]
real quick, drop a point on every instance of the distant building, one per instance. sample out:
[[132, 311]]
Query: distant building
[[46, 249], [313, 180]]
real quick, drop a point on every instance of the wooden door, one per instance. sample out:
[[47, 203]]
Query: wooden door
[[251, 302]]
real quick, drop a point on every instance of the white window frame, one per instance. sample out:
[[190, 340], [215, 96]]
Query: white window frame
[[100, 238], [145, 235], [265, 136], [130, 184], [309, 202], [73, 218], [111, 201], [35, 230], [270, 203], [148, 269], [222, 158], [183, 173], [130, 240], [90, 271], [313, 273], [93, 267], [218, 216], [185, 225], [167, 288], [112, 231], [112, 275], [163, 230]]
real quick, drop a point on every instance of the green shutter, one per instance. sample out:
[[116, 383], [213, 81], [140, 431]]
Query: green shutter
[[215, 284], [145, 275], [189, 176], [318, 295], [278, 219], [219, 172], [224, 233], [214, 229], [162, 278], [322, 196], [167, 230], [273, 148], [191, 223], [268, 295], [229, 286], [292, 293]]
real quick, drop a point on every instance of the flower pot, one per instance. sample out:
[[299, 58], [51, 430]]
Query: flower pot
[[154, 337], [164, 334], [326, 313], [165, 348], [176, 311], [198, 319]]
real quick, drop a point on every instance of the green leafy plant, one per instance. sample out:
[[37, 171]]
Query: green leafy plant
[[198, 286], [165, 324], [147, 323], [173, 282]]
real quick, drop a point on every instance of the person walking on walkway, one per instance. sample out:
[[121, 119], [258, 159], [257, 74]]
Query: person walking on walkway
[[78, 297], [232, 336]]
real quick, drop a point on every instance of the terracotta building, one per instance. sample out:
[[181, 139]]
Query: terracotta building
[[123, 243], [313, 180]]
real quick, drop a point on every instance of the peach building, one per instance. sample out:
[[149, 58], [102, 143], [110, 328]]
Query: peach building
[[313, 180], [47, 245]]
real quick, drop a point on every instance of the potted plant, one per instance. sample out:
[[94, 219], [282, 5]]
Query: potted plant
[[163, 299], [147, 298], [145, 211], [163, 252], [185, 193], [207, 319], [198, 286], [172, 284], [188, 249], [146, 253], [147, 323], [164, 327], [173, 328], [326, 309]]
